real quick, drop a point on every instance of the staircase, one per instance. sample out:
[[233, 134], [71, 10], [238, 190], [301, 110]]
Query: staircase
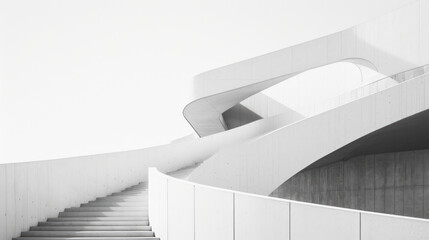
[[121, 215]]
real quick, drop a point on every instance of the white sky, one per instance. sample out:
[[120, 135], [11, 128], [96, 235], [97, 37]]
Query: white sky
[[81, 77]]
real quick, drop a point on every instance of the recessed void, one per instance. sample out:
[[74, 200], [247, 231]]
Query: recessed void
[[238, 116]]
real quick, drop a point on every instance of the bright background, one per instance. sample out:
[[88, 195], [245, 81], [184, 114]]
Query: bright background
[[82, 77]]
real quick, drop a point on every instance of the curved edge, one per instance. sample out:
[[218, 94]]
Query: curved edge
[[203, 113], [238, 167], [371, 42], [186, 210]]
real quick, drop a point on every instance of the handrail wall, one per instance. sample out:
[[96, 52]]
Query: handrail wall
[[181, 209]]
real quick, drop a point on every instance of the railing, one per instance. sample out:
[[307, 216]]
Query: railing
[[180, 209], [363, 91]]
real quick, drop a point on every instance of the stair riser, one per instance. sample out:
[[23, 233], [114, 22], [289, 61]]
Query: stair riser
[[119, 216], [87, 234], [108, 199], [125, 194], [66, 219], [135, 189], [113, 204], [138, 186], [95, 223], [103, 214], [91, 228], [87, 238], [125, 197], [106, 209]]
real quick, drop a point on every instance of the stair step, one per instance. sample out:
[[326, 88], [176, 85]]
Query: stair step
[[91, 228], [87, 234], [95, 223], [119, 216], [112, 204], [121, 199], [130, 194], [62, 219], [135, 189], [125, 197], [133, 195], [104, 209], [86, 238], [104, 214]]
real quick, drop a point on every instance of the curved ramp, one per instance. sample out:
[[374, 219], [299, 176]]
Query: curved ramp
[[261, 165], [374, 44]]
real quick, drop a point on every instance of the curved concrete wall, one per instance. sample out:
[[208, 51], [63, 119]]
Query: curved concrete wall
[[30, 192], [33, 191], [376, 44], [184, 210], [395, 183], [261, 165]]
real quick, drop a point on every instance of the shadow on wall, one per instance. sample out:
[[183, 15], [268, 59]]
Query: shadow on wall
[[393, 183], [237, 116], [386, 171]]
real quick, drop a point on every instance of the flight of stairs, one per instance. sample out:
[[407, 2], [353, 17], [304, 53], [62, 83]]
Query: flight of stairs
[[121, 215]]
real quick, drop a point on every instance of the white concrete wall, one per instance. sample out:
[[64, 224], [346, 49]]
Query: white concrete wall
[[214, 218], [379, 226], [33, 191], [211, 213], [261, 165], [390, 44], [180, 210], [260, 218], [317, 222]]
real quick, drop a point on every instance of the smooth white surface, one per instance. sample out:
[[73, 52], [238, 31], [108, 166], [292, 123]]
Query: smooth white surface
[[157, 199], [214, 214], [377, 226], [373, 44], [260, 218], [261, 165], [181, 205], [52, 185], [67, 182], [316, 222]]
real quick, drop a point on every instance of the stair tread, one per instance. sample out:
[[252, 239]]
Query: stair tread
[[86, 238], [91, 228], [114, 204], [121, 215], [97, 218], [115, 199], [87, 234], [95, 223], [104, 214], [107, 209]]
